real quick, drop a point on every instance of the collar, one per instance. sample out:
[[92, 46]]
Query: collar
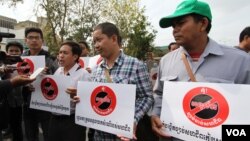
[[119, 60], [72, 70], [212, 47]]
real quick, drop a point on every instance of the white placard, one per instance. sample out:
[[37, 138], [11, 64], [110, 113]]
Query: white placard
[[50, 95], [30, 64], [107, 107], [195, 111], [36, 73], [93, 61]]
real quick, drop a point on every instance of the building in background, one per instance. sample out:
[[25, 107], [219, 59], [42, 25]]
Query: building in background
[[10, 25], [7, 26], [7, 23]]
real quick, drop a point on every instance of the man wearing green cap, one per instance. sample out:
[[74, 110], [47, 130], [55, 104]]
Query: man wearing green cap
[[206, 60]]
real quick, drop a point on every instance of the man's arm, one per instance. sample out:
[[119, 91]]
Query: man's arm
[[144, 94], [156, 123], [19, 80]]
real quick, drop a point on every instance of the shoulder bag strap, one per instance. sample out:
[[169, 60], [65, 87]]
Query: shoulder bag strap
[[188, 68]]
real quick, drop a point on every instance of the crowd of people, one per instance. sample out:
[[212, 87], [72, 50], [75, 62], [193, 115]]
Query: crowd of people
[[206, 62]]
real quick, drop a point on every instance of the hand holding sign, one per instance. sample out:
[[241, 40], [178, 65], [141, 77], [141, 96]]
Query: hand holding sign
[[127, 139], [72, 92], [157, 126]]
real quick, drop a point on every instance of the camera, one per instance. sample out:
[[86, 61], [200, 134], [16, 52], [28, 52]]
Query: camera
[[7, 59]]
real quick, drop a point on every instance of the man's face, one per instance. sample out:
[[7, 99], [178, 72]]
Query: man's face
[[85, 51], [248, 43], [34, 41], [14, 50], [66, 57], [103, 44], [186, 30], [174, 47]]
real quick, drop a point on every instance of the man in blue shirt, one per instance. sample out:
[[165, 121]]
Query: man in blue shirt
[[208, 60], [116, 67]]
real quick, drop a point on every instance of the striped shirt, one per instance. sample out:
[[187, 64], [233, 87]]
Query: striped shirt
[[126, 70]]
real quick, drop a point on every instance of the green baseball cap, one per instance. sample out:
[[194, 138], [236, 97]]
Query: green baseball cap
[[187, 7]]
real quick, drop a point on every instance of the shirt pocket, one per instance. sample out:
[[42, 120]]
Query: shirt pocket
[[218, 80], [169, 78]]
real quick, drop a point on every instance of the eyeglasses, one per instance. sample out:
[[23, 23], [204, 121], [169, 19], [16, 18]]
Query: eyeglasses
[[33, 37]]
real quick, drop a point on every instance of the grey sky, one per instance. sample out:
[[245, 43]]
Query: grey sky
[[229, 17]]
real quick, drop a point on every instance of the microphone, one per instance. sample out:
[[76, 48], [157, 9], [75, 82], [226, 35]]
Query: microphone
[[7, 35]]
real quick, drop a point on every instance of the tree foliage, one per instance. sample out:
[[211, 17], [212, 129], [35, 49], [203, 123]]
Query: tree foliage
[[11, 3], [86, 15], [57, 13], [136, 31], [76, 19], [72, 19], [140, 40]]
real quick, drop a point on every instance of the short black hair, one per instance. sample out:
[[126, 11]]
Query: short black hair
[[198, 17], [75, 48], [244, 32], [33, 29], [172, 43], [85, 43], [110, 29], [14, 43]]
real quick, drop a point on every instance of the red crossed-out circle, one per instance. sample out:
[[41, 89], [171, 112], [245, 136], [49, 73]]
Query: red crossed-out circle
[[205, 107], [26, 67], [81, 62], [49, 88], [103, 100]]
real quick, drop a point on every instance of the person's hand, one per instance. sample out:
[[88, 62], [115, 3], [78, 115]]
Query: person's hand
[[157, 126], [45, 71], [76, 99], [9, 69], [21, 80], [122, 138], [71, 91], [6, 71]]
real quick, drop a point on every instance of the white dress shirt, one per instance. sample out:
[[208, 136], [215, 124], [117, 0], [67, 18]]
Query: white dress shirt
[[75, 74]]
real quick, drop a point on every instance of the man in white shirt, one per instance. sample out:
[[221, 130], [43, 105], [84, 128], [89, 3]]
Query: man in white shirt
[[63, 127]]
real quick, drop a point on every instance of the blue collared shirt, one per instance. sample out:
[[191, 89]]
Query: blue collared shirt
[[127, 70], [217, 64]]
